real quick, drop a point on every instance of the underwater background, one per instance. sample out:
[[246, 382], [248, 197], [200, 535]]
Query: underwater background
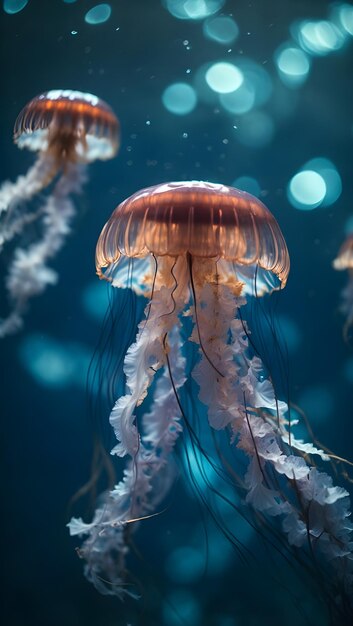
[[182, 118]]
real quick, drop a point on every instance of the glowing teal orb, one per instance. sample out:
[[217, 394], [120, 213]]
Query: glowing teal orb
[[224, 77], [318, 38], [293, 65], [332, 179], [98, 14], [179, 98], [240, 101], [193, 9], [14, 6], [345, 14], [306, 190], [223, 30], [54, 364]]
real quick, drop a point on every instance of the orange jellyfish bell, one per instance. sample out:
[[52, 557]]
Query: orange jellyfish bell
[[74, 126], [201, 219]]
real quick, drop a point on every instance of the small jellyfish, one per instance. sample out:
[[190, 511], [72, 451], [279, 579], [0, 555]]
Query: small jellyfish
[[198, 252], [344, 261], [68, 129]]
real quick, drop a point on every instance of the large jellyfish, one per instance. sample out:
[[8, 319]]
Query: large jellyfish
[[344, 261], [198, 251], [68, 129]]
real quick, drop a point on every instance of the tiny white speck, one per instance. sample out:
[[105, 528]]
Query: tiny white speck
[[185, 135], [74, 32], [188, 71], [148, 123]]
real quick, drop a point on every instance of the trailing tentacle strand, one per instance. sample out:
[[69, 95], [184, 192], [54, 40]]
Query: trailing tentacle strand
[[146, 481], [312, 509]]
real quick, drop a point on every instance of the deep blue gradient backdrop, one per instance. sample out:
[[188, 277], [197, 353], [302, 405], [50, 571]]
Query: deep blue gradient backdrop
[[45, 433]]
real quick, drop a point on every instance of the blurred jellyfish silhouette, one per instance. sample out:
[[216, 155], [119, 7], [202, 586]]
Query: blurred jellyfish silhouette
[[344, 261], [68, 129], [198, 252]]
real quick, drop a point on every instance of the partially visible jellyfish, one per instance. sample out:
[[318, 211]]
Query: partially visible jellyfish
[[344, 261], [198, 251], [68, 129]]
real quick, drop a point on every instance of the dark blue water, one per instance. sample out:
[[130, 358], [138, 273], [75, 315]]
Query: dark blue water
[[129, 61]]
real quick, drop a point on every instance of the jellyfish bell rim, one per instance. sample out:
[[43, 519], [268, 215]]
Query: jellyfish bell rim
[[205, 220], [89, 119]]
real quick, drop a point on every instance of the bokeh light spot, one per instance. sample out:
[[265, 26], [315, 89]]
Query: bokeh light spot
[[54, 364], [193, 9], [98, 14], [258, 78], [293, 65], [179, 98], [306, 190], [224, 77], [329, 173], [223, 30], [318, 37], [14, 6], [345, 16], [240, 101], [254, 90], [317, 184]]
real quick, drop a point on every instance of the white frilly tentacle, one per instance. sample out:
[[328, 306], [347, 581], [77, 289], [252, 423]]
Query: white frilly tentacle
[[312, 509], [27, 185], [143, 359], [28, 273], [147, 478]]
